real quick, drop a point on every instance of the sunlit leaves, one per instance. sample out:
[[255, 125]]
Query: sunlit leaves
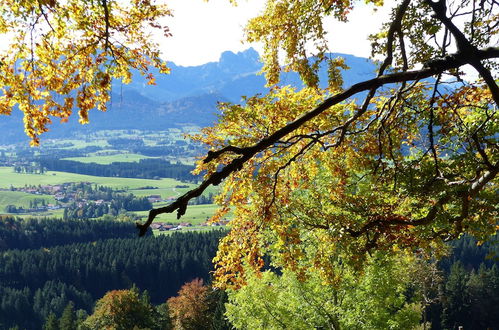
[[373, 299], [189, 310], [369, 184], [64, 55], [295, 27], [121, 309]]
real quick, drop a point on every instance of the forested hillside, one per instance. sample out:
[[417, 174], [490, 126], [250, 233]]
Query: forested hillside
[[144, 169], [42, 268], [24, 234]]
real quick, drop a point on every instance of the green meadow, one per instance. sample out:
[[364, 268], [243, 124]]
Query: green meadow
[[21, 199], [8, 178], [195, 214], [166, 188], [108, 159]]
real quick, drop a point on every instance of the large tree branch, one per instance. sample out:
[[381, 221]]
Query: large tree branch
[[245, 153], [465, 46]]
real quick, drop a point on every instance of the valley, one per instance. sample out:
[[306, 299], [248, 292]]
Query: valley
[[29, 189]]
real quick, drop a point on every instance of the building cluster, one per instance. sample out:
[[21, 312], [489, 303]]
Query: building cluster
[[164, 226]]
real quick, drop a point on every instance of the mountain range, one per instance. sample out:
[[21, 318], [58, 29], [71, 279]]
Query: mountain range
[[186, 96]]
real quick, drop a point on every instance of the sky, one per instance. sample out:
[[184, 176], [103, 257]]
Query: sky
[[203, 30]]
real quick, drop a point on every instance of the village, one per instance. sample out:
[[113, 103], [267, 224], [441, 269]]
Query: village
[[87, 200], [165, 226]]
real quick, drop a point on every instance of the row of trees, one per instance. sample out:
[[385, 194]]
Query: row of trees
[[166, 147], [461, 297], [33, 204], [203, 199], [30, 168], [143, 169], [118, 204], [197, 306]]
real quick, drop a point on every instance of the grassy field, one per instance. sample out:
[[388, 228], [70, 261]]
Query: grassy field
[[22, 199], [165, 187], [201, 229], [108, 159], [8, 178], [19, 198], [195, 214]]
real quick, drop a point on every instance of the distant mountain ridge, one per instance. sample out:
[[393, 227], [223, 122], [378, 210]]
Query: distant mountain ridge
[[187, 96]]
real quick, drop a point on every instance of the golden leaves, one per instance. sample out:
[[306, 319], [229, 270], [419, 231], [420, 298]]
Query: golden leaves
[[328, 189], [66, 54]]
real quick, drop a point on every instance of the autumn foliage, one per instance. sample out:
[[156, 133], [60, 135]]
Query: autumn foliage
[[189, 310], [121, 310], [64, 55], [317, 177]]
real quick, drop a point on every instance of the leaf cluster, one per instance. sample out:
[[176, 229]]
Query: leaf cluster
[[64, 55]]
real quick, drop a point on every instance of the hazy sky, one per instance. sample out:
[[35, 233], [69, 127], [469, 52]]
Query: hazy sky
[[203, 30]]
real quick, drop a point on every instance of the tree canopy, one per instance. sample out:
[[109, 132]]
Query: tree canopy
[[404, 160], [64, 55]]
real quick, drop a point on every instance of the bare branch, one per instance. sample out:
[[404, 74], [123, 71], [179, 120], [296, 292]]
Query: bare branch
[[395, 26], [464, 46], [106, 20]]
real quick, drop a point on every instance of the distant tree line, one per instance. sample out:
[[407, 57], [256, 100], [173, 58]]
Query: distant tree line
[[14, 209], [29, 168], [144, 169], [203, 199], [125, 143], [61, 151], [35, 283], [158, 151], [33, 204], [31, 233], [165, 147]]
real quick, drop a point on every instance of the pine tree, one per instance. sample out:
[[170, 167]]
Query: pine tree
[[456, 306], [51, 322], [220, 322], [68, 318]]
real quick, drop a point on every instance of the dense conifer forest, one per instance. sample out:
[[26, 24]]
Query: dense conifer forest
[[46, 264], [40, 273], [22, 234], [468, 295]]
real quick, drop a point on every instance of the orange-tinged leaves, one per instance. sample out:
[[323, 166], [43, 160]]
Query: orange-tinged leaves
[[191, 306]]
